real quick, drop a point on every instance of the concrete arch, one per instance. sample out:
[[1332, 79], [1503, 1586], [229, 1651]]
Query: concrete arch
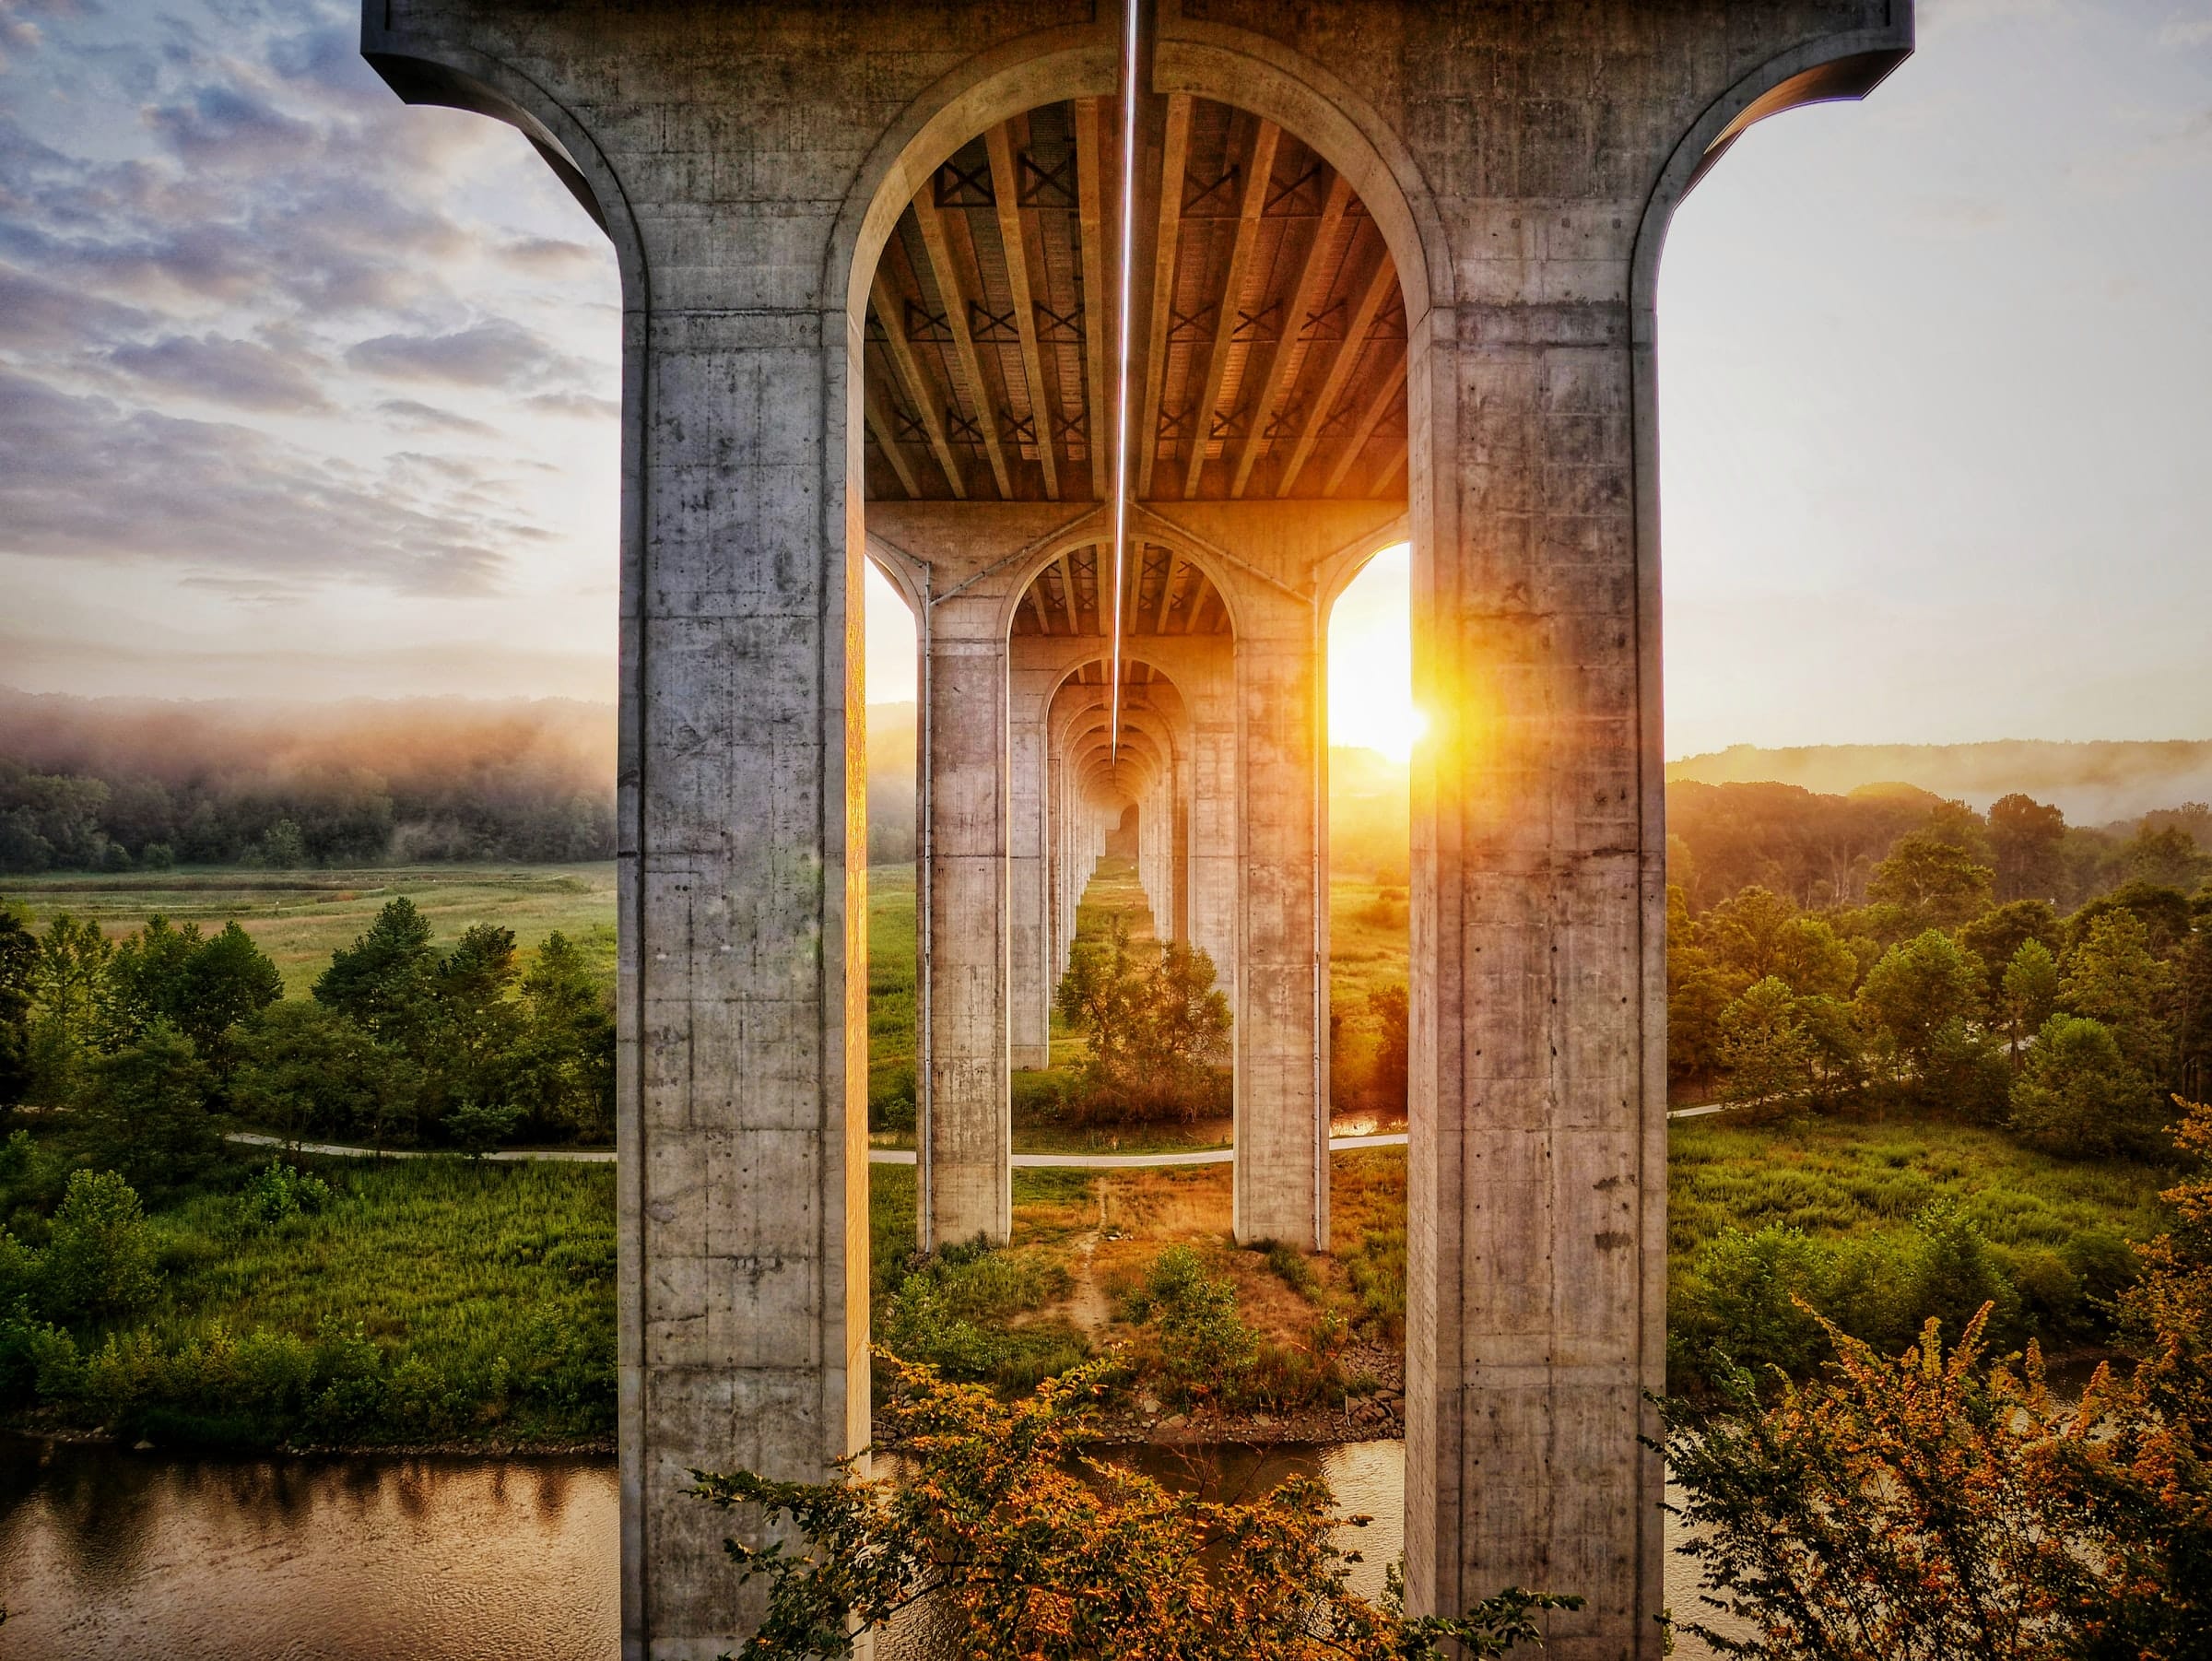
[[1156, 530], [1337, 573], [1075, 62], [1827, 70], [463, 78], [908, 575], [1234, 66]]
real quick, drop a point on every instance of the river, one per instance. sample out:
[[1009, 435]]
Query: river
[[108, 1553]]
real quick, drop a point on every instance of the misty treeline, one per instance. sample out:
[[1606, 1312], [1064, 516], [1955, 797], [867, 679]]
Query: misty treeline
[[149, 1046], [2004, 966], [114, 784]]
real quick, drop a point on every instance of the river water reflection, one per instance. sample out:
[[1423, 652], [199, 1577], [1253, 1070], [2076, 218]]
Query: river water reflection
[[106, 1553]]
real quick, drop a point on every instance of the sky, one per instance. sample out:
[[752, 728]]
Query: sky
[[304, 393]]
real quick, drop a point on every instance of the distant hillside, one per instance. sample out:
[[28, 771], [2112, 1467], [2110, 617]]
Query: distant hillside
[[2094, 782]]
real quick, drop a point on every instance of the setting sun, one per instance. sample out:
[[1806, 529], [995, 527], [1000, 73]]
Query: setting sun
[[1370, 660]]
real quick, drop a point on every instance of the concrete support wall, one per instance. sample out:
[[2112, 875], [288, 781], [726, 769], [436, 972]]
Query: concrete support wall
[[1281, 1032], [966, 1129], [1029, 980]]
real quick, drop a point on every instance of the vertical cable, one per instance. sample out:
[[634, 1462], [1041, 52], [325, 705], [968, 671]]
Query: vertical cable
[[1120, 447]]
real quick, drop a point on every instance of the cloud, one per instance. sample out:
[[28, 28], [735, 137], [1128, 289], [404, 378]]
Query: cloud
[[36, 313], [553, 255], [238, 372], [578, 404], [497, 353], [224, 126], [2186, 32], [426, 417], [86, 478]]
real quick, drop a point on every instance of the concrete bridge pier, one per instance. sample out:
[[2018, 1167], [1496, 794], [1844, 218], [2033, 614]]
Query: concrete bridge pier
[[1397, 255]]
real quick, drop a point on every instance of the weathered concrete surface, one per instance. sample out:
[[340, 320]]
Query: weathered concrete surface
[[1521, 164]]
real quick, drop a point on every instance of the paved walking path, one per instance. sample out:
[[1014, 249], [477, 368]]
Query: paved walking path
[[876, 1155]]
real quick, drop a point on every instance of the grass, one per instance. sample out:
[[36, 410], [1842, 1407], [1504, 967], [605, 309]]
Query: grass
[[425, 1301], [300, 917], [1840, 1176]]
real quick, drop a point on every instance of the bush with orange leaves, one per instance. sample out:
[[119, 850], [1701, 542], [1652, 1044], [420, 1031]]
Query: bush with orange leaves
[[1027, 1547], [1935, 1505]]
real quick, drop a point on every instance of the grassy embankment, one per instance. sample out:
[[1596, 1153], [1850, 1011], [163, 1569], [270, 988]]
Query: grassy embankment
[[486, 1291]]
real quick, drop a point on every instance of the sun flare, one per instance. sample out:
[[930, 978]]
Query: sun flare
[[1370, 660]]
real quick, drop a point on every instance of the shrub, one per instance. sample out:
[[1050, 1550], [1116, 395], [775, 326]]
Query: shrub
[[99, 1261], [1028, 1546], [955, 1311], [891, 1100], [1202, 1349], [2075, 1094], [278, 1191]]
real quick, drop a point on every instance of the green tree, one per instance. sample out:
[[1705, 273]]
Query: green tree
[[1920, 998], [1157, 1026], [1995, 936], [1744, 933], [148, 1110], [1029, 1547], [564, 1066], [282, 846], [307, 1068], [2029, 992], [387, 979], [18, 962], [2028, 839], [480, 1025], [2167, 856], [1813, 960], [2077, 1095], [1765, 1049], [100, 1259], [1392, 1071], [68, 985], [1935, 883], [2112, 976], [202, 986], [1696, 992]]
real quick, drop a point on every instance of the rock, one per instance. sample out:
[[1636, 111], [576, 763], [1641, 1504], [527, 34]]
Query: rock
[[1174, 1421], [141, 1446], [1148, 1403]]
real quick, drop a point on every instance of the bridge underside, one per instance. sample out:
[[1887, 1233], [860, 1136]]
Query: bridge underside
[[1391, 267]]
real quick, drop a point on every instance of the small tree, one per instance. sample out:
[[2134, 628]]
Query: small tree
[[1936, 883], [304, 1066], [1765, 1048], [1392, 1046], [2075, 1094], [1921, 998], [148, 1110], [2114, 976], [100, 1260], [1157, 1025], [18, 959], [2029, 993], [1027, 1547]]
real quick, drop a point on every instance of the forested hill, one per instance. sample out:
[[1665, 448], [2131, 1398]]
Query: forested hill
[[2092, 783]]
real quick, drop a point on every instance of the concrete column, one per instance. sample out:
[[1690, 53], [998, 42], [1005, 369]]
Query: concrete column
[[966, 1131], [1281, 1134], [1029, 980]]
